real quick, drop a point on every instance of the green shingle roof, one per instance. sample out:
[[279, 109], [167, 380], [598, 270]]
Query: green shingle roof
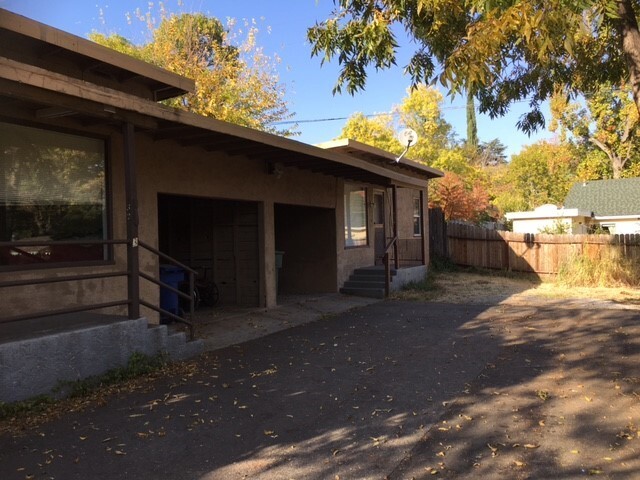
[[606, 197]]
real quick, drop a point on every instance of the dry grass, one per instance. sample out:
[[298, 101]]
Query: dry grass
[[494, 288], [612, 269]]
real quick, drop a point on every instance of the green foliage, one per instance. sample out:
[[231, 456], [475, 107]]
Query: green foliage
[[611, 269], [419, 110], [472, 124], [503, 51], [559, 227], [32, 405], [235, 81], [608, 123], [541, 173], [377, 132]]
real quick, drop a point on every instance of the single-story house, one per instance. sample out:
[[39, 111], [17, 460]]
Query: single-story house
[[611, 206], [615, 203], [547, 218], [102, 187]]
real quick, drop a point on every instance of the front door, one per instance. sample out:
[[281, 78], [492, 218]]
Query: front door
[[378, 226]]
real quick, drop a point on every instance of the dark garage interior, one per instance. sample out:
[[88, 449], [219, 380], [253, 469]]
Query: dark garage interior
[[218, 238], [307, 236]]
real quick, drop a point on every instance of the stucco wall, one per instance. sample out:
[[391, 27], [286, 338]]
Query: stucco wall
[[166, 167], [536, 225]]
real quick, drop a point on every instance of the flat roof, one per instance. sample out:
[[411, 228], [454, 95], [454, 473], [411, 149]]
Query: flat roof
[[32, 42], [379, 156]]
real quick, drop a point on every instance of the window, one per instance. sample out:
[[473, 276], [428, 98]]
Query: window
[[355, 216], [417, 217], [52, 188]]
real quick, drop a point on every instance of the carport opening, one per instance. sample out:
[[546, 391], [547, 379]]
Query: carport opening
[[218, 238], [306, 236]]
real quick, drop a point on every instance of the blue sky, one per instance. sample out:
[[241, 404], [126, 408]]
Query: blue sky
[[308, 83]]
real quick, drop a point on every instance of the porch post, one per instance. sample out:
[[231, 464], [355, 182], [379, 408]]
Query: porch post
[[423, 230], [131, 197], [394, 194]]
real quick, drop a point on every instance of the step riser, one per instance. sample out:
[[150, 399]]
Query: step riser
[[363, 284], [364, 292], [371, 273]]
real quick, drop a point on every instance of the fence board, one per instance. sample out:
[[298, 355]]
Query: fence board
[[525, 252]]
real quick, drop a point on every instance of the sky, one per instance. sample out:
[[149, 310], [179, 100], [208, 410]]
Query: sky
[[282, 25]]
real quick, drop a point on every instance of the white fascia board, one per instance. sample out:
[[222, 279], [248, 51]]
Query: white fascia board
[[566, 213], [603, 218]]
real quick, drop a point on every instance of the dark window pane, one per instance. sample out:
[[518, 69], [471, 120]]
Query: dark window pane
[[52, 188]]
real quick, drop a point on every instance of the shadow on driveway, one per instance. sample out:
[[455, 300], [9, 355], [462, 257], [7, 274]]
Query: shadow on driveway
[[391, 390]]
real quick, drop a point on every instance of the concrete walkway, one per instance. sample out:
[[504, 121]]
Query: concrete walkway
[[221, 327]]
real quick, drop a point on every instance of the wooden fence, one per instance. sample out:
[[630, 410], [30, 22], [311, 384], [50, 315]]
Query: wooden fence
[[527, 252]]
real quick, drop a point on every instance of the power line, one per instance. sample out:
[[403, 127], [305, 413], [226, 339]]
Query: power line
[[369, 115]]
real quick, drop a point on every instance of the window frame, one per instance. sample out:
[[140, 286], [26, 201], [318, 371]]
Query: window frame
[[418, 216], [349, 188], [107, 140]]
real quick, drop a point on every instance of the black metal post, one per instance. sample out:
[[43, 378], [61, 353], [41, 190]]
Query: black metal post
[[423, 229], [394, 194], [131, 196]]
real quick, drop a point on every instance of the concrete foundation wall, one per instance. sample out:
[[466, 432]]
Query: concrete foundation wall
[[35, 366], [404, 276]]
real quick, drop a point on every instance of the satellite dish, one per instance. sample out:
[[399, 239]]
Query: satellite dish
[[407, 137]]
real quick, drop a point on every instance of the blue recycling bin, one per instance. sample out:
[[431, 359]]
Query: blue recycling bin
[[279, 255], [173, 276]]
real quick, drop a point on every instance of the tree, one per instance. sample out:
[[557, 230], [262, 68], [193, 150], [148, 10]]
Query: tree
[[419, 110], [472, 123], [457, 200], [541, 173], [608, 122], [378, 132], [502, 50], [490, 154], [235, 82]]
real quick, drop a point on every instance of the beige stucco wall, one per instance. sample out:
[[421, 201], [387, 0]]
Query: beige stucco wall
[[166, 167], [351, 258]]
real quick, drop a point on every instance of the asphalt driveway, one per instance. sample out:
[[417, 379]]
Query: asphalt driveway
[[393, 390]]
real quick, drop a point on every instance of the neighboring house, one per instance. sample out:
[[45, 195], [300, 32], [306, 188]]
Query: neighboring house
[[615, 204], [598, 205], [549, 218], [97, 177]]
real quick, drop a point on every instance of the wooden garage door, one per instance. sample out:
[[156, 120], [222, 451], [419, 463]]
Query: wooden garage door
[[235, 251]]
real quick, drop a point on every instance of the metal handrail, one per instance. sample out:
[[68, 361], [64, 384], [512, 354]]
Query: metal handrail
[[66, 278], [387, 266], [191, 272], [92, 276]]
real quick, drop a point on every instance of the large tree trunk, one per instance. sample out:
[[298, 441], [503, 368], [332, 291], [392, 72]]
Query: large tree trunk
[[631, 45]]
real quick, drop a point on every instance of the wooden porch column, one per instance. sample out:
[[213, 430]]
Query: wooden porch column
[[394, 194], [131, 197]]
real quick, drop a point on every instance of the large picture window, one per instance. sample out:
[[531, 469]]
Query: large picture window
[[355, 216], [52, 188]]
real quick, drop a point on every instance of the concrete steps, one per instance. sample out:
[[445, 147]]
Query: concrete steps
[[366, 282]]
